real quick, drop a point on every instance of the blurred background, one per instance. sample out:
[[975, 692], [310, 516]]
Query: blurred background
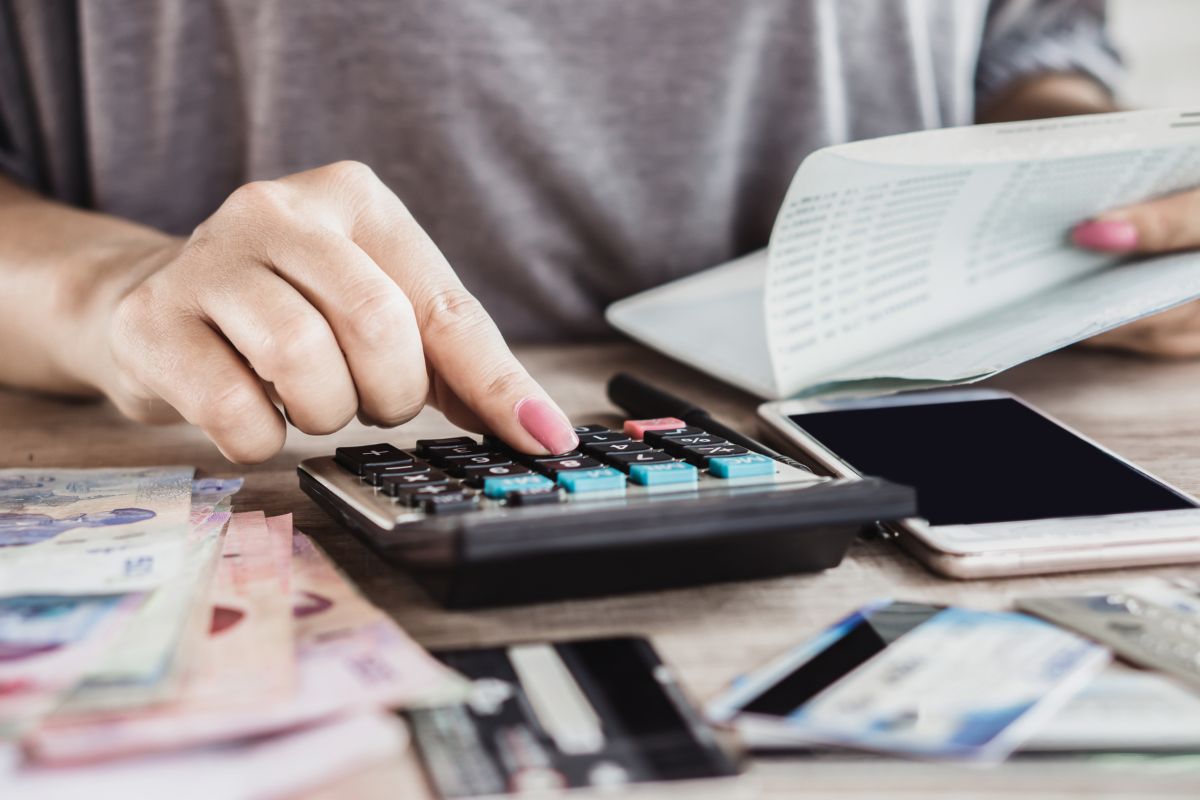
[[1160, 40]]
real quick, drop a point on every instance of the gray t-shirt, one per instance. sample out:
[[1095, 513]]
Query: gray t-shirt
[[563, 153]]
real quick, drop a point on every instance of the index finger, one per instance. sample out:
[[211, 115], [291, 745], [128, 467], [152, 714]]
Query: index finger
[[1156, 226], [462, 344]]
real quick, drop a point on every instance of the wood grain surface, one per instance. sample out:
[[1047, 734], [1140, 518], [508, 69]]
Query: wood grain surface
[[1145, 410]]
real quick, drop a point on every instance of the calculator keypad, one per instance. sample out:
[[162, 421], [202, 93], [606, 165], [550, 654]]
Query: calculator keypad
[[457, 474]]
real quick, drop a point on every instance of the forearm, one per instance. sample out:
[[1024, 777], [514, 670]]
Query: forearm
[[1050, 95], [60, 269]]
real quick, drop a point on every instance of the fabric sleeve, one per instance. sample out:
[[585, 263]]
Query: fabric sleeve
[[41, 110], [1023, 38], [14, 162]]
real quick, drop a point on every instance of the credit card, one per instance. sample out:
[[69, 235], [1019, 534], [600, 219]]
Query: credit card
[[597, 713], [1123, 711], [914, 680], [1153, 623]]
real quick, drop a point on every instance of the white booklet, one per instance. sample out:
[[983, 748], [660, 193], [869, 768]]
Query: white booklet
[[933, 258]]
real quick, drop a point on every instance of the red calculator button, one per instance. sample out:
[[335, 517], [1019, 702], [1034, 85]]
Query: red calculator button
[[636, 428]]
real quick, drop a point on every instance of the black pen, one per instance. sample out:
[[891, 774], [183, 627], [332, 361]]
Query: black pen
[[643, 401]]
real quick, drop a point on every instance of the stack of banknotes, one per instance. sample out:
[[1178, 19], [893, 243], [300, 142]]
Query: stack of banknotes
[[150, 638]]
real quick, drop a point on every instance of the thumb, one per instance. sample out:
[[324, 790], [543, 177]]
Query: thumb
[[1157, 226]]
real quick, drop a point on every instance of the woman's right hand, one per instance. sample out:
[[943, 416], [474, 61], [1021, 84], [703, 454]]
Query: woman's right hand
[[322, 286]]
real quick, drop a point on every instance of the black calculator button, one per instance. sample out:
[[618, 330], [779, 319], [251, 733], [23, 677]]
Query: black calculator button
[[603, 451], [428, 447], [556, 465], [700, 454], [393, 484], [622, 461], [655, 438], [475, 474], [448, 455], [602, 437], [373, 475], [582, 429], [535, 497], [535, 460], [413, 495], [459, 466], [357, 459], [449, 502], [480, 460], [680, 445]]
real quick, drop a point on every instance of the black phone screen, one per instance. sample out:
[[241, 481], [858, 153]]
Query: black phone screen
[[987, 461]]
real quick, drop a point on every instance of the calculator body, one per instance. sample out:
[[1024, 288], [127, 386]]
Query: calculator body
[[496, 550]]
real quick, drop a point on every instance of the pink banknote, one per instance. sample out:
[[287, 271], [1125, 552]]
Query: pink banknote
[[347, 656], [47, 644], [244, 667]]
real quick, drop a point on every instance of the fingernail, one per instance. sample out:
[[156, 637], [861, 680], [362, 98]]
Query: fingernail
[[1108, 235], [547, 424]]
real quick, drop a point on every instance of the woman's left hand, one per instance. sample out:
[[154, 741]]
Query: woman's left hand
[[1159, 226]]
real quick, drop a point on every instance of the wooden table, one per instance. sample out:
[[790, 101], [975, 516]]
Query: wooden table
[[1144, 410]]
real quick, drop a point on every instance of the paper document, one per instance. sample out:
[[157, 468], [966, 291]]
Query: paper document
[[935, 257]]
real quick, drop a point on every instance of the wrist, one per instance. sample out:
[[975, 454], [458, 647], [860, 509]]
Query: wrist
[[86, 297]]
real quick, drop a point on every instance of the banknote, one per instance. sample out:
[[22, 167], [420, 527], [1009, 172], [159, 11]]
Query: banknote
[[247, 658], [212, 495], [350, 652], [244, 666], [281, 765], [92, 531], [10, 759], [144, 665], [47, 644], [348, 655]]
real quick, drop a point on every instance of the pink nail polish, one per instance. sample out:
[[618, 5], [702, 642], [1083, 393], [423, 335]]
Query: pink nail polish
[[546, 423], [1111, 236]]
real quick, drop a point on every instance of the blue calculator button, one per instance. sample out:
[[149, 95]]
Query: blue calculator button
[[499, 487], [747, 466], [592, 480], [661, 474]]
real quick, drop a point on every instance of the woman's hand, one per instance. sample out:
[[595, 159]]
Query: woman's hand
[[320, 289], [1159, 226]]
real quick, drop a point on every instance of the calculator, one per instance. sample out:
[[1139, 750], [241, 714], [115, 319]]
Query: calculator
[[654, 504]]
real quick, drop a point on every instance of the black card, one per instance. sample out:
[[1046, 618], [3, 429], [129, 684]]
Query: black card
[[591, 713]]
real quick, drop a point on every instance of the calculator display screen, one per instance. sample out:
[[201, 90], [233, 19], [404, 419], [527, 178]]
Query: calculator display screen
[[986, 461]]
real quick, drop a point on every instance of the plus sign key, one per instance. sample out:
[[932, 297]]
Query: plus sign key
[[358, 459]]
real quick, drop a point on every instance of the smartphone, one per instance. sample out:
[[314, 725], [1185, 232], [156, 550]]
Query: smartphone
[[1002, 489]]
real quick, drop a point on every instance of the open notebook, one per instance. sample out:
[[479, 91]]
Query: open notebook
[[934, 257]]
